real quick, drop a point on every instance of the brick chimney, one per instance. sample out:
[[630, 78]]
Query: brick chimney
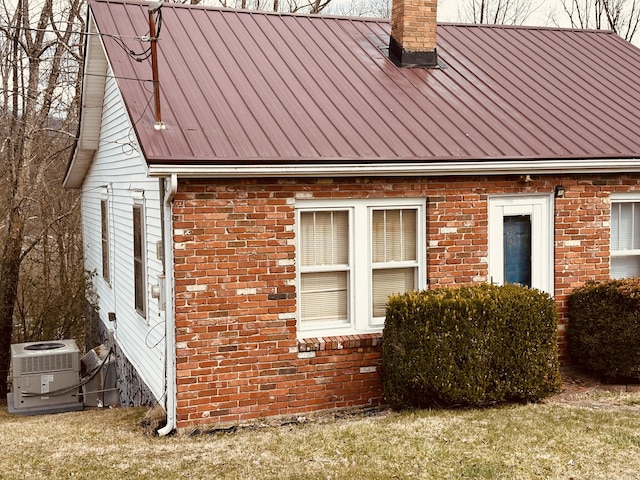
[[413, 33]]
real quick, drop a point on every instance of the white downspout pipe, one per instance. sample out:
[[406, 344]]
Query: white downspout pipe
[[170, 332]]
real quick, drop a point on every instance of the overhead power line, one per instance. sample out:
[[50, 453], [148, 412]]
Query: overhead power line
[[5, 28], [119, 39]]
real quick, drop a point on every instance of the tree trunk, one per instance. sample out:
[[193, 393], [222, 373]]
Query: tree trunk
[[9, 274]]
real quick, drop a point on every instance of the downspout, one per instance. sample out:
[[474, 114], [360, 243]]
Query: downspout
[[170, 332]]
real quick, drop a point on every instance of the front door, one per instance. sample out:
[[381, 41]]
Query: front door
[[521, 240]]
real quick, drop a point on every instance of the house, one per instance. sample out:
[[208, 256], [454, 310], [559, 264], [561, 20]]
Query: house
[[254, 186]]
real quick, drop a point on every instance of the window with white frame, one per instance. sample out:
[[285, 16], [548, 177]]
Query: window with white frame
[[351, 256], [104, 221], [394, 254], [139, 274], [625, 236], [324, 266]]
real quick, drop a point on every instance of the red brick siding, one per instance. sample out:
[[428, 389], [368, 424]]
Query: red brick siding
[[238, 357]]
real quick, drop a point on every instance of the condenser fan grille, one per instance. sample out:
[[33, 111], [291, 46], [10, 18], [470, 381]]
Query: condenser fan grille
[[47, 363]]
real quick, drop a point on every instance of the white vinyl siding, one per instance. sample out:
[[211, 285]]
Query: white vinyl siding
[[118, 171], [625, 236], [352, 255]]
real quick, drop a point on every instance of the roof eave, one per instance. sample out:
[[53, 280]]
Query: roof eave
[[78, 167], [92, 97], [436, 168]]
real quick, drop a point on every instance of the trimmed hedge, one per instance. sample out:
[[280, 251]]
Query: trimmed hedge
[[470, 346], [604, 328]]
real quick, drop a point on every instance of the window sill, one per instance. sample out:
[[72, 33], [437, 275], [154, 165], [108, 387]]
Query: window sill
[[339, 342]]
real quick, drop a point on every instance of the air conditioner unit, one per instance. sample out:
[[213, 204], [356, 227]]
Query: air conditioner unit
[[46, 377]]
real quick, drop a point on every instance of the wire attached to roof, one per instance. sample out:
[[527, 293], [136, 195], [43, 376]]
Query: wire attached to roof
[[149, 37]]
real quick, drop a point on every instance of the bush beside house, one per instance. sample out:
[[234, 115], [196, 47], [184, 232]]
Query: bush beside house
[[470, 346], [604, 328]]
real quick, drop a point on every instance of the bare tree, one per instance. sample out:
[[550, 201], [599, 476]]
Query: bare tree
[[41, 56], [283, 6], [52, 287], [361, 8], [620, 16], [583, 13], [502, 12]]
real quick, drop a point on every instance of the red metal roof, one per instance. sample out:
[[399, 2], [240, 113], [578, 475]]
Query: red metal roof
[[256, 88]]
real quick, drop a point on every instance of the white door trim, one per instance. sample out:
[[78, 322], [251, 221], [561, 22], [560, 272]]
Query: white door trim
[[540, 208]]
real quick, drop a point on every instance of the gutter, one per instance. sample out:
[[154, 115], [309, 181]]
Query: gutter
[[170, 332], [438, 168]]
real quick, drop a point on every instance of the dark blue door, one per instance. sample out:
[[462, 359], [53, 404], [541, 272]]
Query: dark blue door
[[517, 249]]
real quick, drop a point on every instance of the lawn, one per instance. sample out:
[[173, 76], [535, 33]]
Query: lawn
[[590, 436]]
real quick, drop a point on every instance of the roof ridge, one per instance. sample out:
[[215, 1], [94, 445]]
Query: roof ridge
[[524, 27], [245, 11], [352, 18]]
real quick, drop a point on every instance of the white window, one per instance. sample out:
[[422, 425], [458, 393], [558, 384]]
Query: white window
[[324, 266], [394, 254], [104, 221], [625, 236], [139, 272], [351, 256]]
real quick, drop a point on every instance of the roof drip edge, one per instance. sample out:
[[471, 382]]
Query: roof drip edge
[[578, 166]]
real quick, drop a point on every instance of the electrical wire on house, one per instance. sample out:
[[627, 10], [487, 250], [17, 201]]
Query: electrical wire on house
[[141, 56], [130, 147], [150, 331], [116, 77], [131, 133]]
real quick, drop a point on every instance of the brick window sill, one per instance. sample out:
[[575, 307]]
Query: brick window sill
[[317, 344]]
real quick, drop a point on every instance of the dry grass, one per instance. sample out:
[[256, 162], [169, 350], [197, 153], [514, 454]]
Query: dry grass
[[590, 436]]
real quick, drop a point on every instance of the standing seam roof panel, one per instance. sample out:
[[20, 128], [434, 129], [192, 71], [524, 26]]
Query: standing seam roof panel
[[276, 75], [254, 87], [404, 93], [581, 108], [511, 116], [609, 74], [337, 109], [538, 111], [189, 78], [365, 97], [326, 138]]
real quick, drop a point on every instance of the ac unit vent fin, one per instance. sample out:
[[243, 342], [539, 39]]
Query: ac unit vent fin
[[47, 363]]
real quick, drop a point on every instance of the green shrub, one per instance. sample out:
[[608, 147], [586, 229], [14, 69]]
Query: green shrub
[[604, 328], [469, 346]]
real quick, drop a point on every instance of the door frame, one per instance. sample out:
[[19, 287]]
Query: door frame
[[540, 208]]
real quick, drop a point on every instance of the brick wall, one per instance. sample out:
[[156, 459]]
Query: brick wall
[[238, 357]]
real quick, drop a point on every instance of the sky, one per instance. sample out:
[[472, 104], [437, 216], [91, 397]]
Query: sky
[[542, 12]]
